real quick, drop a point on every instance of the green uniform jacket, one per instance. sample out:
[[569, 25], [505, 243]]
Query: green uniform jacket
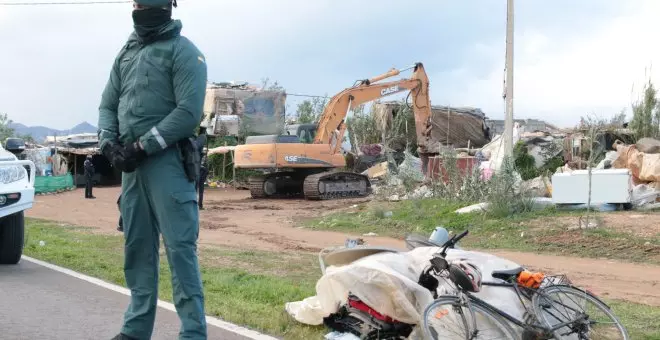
[[155, 93]]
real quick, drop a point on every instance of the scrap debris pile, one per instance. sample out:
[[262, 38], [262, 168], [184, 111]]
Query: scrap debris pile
[[369, 292], [551, 166]]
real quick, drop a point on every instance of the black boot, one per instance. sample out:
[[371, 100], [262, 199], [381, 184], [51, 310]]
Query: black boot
[[123, 337]]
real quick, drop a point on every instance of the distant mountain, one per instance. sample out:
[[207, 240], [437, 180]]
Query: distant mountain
[[83, 127], [39, 133]]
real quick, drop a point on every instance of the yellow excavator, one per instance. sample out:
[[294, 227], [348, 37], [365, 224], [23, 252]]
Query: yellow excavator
[[293, 167]]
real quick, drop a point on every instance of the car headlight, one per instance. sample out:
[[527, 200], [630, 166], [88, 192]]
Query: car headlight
[[10, 174]]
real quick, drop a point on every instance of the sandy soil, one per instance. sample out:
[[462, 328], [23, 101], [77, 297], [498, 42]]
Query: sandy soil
[[233, 219], [630, 222]]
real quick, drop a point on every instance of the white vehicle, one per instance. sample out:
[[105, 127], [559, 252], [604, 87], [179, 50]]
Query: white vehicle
[[16, 195]]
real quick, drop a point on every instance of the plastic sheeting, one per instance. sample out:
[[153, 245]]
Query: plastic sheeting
[[644, 194], [644, 167], [411, 167], [41, 159], [610, 157], [457, 127], [454, 126], [388, 283], [494, 150]]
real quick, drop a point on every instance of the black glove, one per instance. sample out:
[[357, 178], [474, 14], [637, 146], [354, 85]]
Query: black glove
[[126, 159], [114, 152], [133, 155]]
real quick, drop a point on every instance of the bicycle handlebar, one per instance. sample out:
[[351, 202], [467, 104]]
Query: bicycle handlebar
[[452, 242], [461, 235]]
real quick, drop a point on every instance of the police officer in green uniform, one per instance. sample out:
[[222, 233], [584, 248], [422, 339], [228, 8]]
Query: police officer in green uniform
[[152, 101]]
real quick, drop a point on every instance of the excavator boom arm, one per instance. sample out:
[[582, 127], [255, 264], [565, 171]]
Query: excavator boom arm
[[332, 120]]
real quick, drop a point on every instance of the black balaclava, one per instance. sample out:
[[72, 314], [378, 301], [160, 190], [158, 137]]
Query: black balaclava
[[148, 22]]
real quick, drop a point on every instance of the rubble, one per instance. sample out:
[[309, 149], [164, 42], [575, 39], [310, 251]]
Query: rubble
[[411, 167], [648, 145], [539, 186], [567, 186], [379, 170]]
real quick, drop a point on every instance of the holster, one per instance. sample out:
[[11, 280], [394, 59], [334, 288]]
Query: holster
[[191, 158]]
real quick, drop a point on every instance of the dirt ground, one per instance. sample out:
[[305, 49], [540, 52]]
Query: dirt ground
[[629, 222], [233, 219]]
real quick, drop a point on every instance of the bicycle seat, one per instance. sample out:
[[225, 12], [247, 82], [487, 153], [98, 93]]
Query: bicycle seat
[[507, 274]]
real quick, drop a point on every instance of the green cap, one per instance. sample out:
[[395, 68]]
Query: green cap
[[153, 3]]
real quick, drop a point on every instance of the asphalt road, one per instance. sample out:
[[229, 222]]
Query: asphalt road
[[40, 303]]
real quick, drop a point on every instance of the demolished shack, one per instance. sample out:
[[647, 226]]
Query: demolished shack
[[71, 151], [577, 148], [455, 127], [241, 109]]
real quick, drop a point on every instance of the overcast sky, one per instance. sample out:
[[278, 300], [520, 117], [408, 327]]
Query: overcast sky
[[571, 57]]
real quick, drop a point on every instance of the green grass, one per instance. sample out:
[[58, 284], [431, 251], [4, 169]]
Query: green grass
[[248, 288], [641, 321], [543, 231]]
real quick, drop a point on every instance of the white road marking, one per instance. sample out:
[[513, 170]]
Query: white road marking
[[230, 327]]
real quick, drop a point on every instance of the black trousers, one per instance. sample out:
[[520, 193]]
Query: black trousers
[[200, 188], [88, 186], [121, 220]]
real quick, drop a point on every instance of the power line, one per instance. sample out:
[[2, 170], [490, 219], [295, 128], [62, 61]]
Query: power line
[[305, 95], [64, 3]]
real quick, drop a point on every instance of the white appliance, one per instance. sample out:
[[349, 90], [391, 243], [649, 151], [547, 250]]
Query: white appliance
[[607, 186]]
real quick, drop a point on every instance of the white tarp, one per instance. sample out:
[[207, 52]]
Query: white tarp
[[494, 150], [411, 167], [387, 282]]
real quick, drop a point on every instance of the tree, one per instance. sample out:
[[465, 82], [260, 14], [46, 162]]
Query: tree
[[646, 115], [618, 119], [309, 111], [595, 128], [5, 130]]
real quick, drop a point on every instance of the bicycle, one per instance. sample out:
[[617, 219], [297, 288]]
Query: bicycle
[[537, 323]]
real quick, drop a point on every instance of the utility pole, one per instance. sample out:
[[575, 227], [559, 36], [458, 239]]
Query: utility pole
[[508, 121]]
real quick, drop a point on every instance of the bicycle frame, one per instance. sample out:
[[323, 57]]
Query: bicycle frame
[[439, 265], [514, 320]]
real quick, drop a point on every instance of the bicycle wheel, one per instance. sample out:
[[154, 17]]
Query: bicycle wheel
[[560, 303], [449, 311]]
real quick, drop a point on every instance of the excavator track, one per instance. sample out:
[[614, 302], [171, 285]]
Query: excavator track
[[256, 186], [336, 185], [276, 185]]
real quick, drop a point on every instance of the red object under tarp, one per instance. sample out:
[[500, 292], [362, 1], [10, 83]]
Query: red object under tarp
[[359, 305]]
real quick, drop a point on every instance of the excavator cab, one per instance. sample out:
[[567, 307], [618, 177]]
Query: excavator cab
[[305, 132]]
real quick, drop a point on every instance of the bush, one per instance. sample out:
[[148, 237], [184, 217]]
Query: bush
[[505, 197], [524, 162], [458, 187]]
